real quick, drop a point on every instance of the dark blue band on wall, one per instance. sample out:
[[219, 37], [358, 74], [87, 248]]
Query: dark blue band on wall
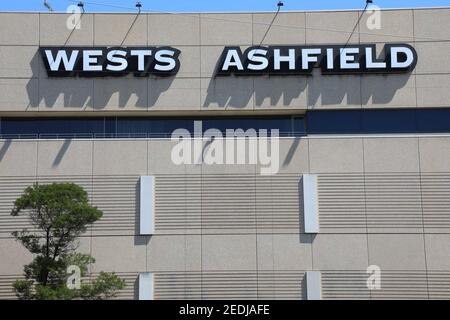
[[381, 121]]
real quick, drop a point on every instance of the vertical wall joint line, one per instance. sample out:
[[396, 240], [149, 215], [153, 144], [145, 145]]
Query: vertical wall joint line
[[310, 203]]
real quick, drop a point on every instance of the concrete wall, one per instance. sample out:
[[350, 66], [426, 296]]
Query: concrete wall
[[382, 201], [201, 38]]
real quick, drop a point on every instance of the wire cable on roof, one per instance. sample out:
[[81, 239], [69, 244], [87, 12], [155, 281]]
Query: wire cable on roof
[[279, 5], [357, 23], [411, 38]]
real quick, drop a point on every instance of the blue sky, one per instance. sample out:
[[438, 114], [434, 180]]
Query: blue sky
[[214, 5]]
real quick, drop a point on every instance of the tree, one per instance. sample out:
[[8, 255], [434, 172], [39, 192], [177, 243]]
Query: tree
[[59, 213]]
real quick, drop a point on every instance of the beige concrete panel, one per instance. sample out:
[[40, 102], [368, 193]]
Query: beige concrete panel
[[228, 252], [13, 152], [19, 28], [434, 154], [280, 93], [209, 59], [19, 94], [65, 157], [336, 155], [226, 29], [214, 155], [266, 252], [293, 155], [284, 252], [431, 57], [174, 253], [335, 27], [56, 94], [160, 157], [114, 254], [190, 62], [14, 257], [118, 29], [339, 252], [119, 157], [288, 28], [395, 26], [333, 91], [173, 94], [128, 94], [63, 29], [227, 93], [397, 251], [388, 91], [433, 90], [391, 155], [432, 24], [19, 62], [174, 29], [438, 251]]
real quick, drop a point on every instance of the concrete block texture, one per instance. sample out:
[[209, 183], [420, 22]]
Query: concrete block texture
[[174, 29], [120, 29], [117, 156], [387, 26], [339, 252], [65, 157], [335, 155], [60, 29], [397, 251], [19, 28], [323, 27], [226, 29], [288, 28]]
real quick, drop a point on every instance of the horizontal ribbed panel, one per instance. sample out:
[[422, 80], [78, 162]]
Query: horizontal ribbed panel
[[402, 285], [6, 281], [344, 285], [117, 197], [226, 203], [13, 187], [341, 203], [277, 285], [348, 203], [6, 289], [229, 285], [394, 285], [384, 203], [436, 201], [439, 284]]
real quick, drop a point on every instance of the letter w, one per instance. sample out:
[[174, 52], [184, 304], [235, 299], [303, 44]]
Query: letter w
[[54, 63]]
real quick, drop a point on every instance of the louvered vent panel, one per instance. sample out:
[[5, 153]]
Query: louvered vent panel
[[279, 203], [394, 285], [228, 202], [281, 285], [341, 203], [354, 203], [436, 202], [394, 202], [344, 285], [439, 284], [402, 285], [6, 289], [12, 187], [206, 285], [117, 197]]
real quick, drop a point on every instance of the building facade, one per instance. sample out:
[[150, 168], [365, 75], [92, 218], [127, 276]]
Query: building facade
[[363, 181]]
